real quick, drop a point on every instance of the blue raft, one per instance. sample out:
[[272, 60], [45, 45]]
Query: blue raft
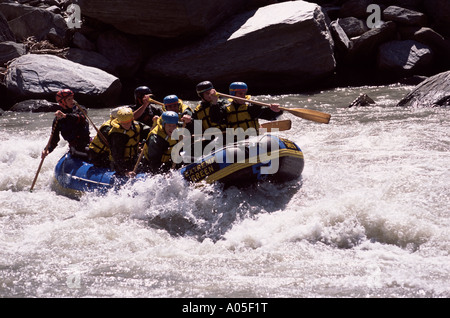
[[262, 158]]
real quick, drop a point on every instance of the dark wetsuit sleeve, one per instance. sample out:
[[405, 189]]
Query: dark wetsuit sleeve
[[55, 136], [263, 112], [218, 113], [155, 111], [156, 148]]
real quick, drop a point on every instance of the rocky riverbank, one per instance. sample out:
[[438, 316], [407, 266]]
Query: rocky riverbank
[[103, 51]]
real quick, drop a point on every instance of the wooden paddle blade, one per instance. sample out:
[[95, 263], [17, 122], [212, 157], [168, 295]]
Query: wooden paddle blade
[[309, 114], [281, 125]]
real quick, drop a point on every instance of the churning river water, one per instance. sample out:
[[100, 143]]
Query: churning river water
[[368, 218]]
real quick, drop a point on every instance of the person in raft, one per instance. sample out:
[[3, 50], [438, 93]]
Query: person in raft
[[71, 123], [123, 139], [241, 114], [158, 148], [185, 113], [143, 110], [211, 109], [99, 151]]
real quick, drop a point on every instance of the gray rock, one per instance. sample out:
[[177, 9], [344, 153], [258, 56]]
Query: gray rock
[[341, 40], [439, 13], [290, 39], [125, 55], [355, 8], [404, 16], [81, 42], [10, 50], [434, 91], [362, 100], [26, 21], [364, 48], [404, 57], [35, 106], [5, 32], [436, 42], [353, 26], [164, 19], [90, 58], [40, 76]]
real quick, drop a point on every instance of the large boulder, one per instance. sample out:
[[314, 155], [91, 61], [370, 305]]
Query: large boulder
[[125, 55], [404, 16], [404, 57], [41, 76], [5, 31], [439, 13], [364, 48], [90, 58], [35, 106], [164, 19], [25, 21], [10, 50], [288, 43], [435, 91]]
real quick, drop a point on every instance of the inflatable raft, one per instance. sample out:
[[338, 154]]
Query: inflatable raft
[[261, 158], [266, 157]]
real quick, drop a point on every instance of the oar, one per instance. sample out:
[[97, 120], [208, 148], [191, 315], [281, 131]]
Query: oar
[[308, 114], [139, 159], [42, 159], [156, 102], [99, 133], [281, 125]]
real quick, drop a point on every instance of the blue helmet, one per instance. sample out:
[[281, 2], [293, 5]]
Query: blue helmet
[[170, 100], [169, 117], [237, 86]]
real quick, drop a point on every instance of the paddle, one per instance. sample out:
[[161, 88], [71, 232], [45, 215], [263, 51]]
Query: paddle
[[281, 125], [156, 102], [42, 159], [308, 114], [99, 133], [139, 159]]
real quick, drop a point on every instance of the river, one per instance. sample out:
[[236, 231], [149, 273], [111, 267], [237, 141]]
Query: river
[[368, 218]]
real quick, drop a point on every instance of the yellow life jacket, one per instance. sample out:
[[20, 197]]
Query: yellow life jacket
[[131, 148], [203, 114], [97, 144], [159, 130], [181, 108], [238, 116]]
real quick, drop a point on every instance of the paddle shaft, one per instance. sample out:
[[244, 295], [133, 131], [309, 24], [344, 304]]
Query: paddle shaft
[[99, 133], [308, 114], [156, 102], [139, 159], [42, 159]]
